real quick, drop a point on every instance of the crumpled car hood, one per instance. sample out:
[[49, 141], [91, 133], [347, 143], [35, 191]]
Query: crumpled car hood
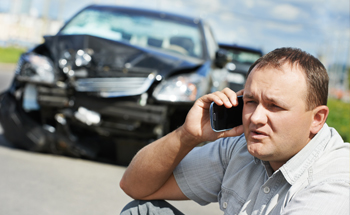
[[118, 59]]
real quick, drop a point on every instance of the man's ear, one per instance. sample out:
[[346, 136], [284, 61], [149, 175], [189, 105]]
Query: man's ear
[[320, 114]]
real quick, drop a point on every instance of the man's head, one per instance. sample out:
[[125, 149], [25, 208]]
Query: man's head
[[280, 114], [315, 73]]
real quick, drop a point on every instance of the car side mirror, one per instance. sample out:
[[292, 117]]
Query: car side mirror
[[221, 58]]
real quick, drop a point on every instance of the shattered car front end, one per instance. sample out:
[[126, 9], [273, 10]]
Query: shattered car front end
[[111, 76]]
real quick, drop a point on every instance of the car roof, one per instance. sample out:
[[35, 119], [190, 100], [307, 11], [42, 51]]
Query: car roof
[[240, 48], [147, 12]]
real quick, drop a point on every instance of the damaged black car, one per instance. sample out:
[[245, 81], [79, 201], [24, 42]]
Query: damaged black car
[[112, 80]]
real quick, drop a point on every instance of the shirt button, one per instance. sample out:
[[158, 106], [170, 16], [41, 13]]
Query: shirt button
[[224, 205], [266, 190]]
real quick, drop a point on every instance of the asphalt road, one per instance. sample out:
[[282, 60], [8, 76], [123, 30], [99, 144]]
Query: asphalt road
[[6, 75], [40, 184]]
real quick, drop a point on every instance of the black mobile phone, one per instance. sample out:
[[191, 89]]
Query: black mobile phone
[[222, 118]]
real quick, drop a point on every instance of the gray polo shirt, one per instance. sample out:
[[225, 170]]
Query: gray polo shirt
[[315, 181]]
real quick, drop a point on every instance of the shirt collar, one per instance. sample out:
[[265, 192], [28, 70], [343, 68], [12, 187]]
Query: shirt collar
[[300, 162]]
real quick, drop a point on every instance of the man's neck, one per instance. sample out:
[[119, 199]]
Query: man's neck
[[276, 165]]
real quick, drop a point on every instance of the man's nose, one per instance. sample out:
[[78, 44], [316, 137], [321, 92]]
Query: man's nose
[[259, 115]]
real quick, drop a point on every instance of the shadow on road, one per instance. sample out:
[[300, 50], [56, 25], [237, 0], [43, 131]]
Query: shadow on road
[[107, 159], [4, 142]]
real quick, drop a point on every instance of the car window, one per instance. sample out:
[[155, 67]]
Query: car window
[[145, 31], [243, 56]]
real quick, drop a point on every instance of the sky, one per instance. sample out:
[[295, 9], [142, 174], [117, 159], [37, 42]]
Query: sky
[[320, 27]]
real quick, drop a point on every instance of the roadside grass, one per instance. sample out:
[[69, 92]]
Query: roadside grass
[[339, 117], [10, 54]]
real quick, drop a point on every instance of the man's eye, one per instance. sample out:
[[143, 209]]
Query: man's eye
[[249, 102], [274, 106]]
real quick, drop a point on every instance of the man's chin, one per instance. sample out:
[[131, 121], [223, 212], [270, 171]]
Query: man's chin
[[258, 150]]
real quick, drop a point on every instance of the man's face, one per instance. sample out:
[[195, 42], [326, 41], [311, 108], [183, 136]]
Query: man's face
[[275, 119]]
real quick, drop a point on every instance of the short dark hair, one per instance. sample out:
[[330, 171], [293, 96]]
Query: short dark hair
[[316, 74]]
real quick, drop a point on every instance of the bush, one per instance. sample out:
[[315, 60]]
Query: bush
[[339, 117], [10, 54]]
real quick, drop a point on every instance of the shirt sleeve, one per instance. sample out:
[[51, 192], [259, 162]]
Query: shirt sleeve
[[199, 175], [331, 197]]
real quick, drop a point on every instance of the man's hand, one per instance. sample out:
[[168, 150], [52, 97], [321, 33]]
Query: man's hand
[[197, 125], [150, 173]]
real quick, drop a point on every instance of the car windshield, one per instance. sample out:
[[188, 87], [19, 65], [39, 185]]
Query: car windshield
[[140, 30], [243, 56]]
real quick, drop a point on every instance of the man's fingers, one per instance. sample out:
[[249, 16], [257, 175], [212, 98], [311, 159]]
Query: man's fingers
[[231, 95], [225, 97], [240, 93], [236, 131], [213, 97]]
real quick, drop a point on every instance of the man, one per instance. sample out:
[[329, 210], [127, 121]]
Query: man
[[287, 162]]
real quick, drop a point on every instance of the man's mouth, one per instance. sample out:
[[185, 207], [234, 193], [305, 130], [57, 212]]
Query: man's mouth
[[257, 134]]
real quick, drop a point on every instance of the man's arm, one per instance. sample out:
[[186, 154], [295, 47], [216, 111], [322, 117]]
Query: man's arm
[[152, 168], [150, 173]]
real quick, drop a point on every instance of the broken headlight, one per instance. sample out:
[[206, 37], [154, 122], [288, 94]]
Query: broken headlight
[[36, 68], [181, 88]]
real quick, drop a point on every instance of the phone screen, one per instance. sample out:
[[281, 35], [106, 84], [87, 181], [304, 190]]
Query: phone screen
[[222, 118]]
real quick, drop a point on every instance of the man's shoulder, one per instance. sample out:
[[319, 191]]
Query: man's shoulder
[[333, 163], [224, 149], [234, 144], [323, 159], [335, 158], [237, 141]]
